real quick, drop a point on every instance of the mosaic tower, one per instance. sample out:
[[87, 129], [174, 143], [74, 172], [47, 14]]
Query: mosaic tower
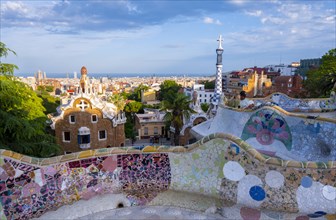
[[218, 85]]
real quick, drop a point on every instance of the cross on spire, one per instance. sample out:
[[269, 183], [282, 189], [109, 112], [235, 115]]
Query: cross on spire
[[220, 39]]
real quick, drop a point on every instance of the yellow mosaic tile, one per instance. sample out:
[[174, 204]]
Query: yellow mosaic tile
[[7, 153], [149, 149], [85, 154], [17, 156], [330, 217]]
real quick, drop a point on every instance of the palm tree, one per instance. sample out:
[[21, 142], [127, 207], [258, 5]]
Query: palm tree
[[177, 106], [118, 100]]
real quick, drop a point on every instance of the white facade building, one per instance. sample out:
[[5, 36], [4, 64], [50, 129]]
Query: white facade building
[[203, 95]]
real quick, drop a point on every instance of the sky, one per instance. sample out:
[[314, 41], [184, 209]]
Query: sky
[[157, 36]]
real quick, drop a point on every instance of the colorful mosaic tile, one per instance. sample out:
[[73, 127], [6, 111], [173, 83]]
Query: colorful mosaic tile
[[266, 126], [222, 167]]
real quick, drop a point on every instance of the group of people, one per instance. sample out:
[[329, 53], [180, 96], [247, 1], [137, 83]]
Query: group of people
[[242, 103]]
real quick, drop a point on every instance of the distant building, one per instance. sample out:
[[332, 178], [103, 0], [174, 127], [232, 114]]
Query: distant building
[[258, 85], [85, 121], [255, 81], [284, 70], [150, 124], [289, 85], [203, 95], [307, 64], [149, 96]]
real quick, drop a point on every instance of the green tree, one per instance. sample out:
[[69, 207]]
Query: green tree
[[167, 88], [177, 107], [50, 103], [136, 94], [118, 100], [131, 108], [22, 118], [6, 68], [205, 107], [321, 81], [209, 84]]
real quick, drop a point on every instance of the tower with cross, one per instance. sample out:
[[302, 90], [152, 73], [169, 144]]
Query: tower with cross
[[218, 83]]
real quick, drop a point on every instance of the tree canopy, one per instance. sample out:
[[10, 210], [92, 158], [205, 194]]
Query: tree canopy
[[167, 88], [22, 118], [136, 94], [321, 81]]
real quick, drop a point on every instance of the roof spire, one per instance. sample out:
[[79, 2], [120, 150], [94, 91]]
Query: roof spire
[[220, 39]]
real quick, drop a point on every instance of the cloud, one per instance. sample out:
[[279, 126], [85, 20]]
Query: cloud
[[238, 2], [301, 23], [78, 16], [208, 20], [256, 13]]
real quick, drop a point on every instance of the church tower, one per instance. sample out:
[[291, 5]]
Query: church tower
[[218, 83]]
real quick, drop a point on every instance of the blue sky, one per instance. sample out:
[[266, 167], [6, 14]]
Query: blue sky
[[145, 36]]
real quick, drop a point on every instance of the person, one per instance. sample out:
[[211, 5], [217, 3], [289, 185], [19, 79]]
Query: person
[[244, 102]]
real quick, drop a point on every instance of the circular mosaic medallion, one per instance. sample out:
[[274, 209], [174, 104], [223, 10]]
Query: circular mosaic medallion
[[265, 137], [306, 182], [233, 171], [257, 193], [329, 192], [274, 179]]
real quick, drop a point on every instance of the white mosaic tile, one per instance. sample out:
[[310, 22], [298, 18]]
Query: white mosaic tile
[[244, 186], [311, 199], [274, 179]]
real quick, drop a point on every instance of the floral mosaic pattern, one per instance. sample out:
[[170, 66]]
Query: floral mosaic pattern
[[266, 125]]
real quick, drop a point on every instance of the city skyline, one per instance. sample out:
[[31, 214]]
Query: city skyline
[[163, 36]]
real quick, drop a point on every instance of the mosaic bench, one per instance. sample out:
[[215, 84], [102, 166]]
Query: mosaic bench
[[220, 167]]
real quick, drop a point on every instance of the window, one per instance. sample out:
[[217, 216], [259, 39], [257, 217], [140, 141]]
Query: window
[[84, 139], [72, 119], [102, 135], [145, 131], [205, 95], [289, 85], [94, 118], [156, 130], [66, 136]]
